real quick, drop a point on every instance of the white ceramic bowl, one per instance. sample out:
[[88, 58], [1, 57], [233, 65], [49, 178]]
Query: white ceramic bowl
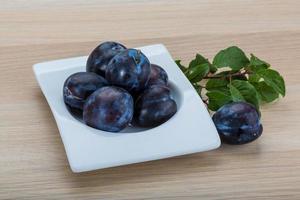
[[190, 130]]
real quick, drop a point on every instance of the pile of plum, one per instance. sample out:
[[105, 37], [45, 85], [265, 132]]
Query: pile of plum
[[119, 88]]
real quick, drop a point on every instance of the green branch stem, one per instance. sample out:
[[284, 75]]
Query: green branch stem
[[228, 75]]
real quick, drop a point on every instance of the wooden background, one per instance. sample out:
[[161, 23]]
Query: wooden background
[[33, 163]]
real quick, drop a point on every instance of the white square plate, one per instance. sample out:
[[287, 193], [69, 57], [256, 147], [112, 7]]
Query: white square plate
[[190, 130]]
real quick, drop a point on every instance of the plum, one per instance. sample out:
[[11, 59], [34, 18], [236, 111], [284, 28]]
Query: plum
[[154, 106], [109, 108], [158, 76], [79, 86], [238, 123], [101, 55], [75, 112], [129, 69]]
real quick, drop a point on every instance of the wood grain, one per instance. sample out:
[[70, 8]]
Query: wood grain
[[33, 163]]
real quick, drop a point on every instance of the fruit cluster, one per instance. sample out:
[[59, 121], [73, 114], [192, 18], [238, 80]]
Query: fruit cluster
[[120, 86], [235, 86]]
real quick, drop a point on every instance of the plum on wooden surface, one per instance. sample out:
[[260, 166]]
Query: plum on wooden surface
[[238, 123]]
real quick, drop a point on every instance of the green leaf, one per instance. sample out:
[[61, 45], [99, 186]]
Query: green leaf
[[183, 68], [266, 92], [199, 60], [273, 79], [235, 93], [196, 73], [232, 57], [255, 61], [248, 91], [216, 83], [218, 98], [254, 78], [212, 68], [257, 64]]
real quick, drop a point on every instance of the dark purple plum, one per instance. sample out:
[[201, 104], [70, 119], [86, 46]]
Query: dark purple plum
[[129, 69], [158, 76], [109, 109], [79, 86], [154, 106], [75, 112], [101, 55], [238, 123]]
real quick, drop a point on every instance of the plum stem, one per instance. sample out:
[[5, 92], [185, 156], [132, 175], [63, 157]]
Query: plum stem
[[205, 101], [138, 56], [228, 75]]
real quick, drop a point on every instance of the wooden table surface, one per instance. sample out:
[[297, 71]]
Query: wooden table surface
[[33, 162]]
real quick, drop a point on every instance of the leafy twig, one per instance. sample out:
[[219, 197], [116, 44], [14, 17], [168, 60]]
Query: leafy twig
[[249, 80]]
